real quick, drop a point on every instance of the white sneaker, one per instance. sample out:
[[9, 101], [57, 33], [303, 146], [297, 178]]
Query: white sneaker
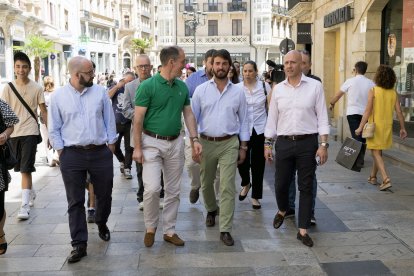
[[127, 173], [32, 197], [24, 212], [161, 203], [141, 206]]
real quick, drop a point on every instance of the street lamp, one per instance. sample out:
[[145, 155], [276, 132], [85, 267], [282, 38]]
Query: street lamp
[[194, 19]]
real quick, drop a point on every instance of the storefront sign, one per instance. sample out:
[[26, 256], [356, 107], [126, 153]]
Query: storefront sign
[[338, 16], [304, 35], [408, 24]]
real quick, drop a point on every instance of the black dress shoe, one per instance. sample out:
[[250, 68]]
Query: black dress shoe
[[104, 233], [278, 220], [211, 218], [242, 197], [306, 240], [77, 254], [226, 238]]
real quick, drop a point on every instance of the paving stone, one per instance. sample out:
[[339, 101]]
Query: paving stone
[[208, 247], [20, 251], [297, 270], [30, 264], [190, 271], [356, 268], [104, 263]]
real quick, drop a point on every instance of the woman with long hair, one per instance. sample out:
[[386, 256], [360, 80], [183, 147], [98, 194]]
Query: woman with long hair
[[382, 101], [52, 157], [7, 121], [257, 94], [232, 75]]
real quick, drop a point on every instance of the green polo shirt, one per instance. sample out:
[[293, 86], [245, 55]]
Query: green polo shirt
[[164, 103]]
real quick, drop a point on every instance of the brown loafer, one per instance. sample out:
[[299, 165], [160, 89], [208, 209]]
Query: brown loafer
[[305, 239], [278, 220], [175, 239], [149, 239], [211, 218], [226, 238]]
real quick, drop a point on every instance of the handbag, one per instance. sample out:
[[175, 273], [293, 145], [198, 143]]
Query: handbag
[[39, 136], [369, 128], [9, 160], [351, 155]]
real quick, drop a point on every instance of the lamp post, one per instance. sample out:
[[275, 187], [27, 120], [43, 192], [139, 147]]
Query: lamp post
[[194, 19]]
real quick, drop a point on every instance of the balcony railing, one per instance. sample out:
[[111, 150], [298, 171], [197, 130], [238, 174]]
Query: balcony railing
[[292, 3], [276, 9], [235, 7], [238, 40], [213, 7], [188, 8]]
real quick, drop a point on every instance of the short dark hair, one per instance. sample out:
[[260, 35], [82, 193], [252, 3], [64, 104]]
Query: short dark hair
[[223, 53], [192, 69], [306, 53], [167, 53], [22, 57], [130, 74], [385, 77], [251, 62], [361, 67], [236, 61], [209, 53]]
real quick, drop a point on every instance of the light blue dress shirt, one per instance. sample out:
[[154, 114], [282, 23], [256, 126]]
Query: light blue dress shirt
[[195, 79], [220, 114], [80, 119]]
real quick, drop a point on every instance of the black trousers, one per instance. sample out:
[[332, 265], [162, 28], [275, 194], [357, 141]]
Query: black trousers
[[124, 130], [74, 164], [256, 162], [298, 154], [2, 199], [354, 120]]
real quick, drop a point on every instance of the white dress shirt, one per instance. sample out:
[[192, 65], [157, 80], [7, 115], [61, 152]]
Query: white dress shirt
[[256, 106], [297, 110], [357, 89]]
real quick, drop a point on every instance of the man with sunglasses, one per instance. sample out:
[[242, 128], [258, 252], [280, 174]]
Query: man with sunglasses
[[82, 130]]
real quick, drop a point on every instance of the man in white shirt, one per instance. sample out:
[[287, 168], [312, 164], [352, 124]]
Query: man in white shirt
[[297, 114], [357, 88]]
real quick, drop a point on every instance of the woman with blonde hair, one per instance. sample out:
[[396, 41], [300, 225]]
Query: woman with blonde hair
[[52, 157], [382, 101]]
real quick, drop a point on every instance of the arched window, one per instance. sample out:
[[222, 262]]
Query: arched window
[[127, 61], [2, 55]]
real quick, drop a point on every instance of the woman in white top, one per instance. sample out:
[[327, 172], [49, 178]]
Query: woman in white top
[[257, 94]]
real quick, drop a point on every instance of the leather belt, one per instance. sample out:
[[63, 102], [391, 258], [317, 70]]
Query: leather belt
[[297, 137], [216, 139], [87, 147], [156, 136]]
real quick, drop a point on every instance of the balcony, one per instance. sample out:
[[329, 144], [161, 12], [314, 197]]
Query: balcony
[[264, 39], [237, 7], [213, 7], [166, 40], [188, 8], [299, 8], [208, 40], [279, 10], [293, 3], [262, 7]]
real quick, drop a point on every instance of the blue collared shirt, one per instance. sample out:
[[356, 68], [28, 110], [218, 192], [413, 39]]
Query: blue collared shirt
[[220, 114], [195, 79], [80, 119]]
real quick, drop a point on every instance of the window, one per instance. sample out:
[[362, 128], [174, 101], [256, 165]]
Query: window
[[212, 27], [126, 21], [188, 29], [66, 21], [2, 56], [262, 26], [212, 5], [188, 5], [237, 27]]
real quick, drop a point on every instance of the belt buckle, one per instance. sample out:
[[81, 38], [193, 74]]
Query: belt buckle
[[156, 136], [293, 137]]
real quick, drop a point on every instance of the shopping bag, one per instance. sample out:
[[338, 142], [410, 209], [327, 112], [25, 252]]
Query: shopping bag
[[351, 155]]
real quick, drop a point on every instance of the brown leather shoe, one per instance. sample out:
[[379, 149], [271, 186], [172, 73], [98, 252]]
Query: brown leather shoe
[[211, 218], [149, 239], [226, 238], [175, 239]]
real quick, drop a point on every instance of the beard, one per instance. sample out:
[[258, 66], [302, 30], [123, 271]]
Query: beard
[[221, 74], [85, 83]]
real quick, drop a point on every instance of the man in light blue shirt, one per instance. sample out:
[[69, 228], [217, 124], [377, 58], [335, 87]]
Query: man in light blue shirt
[[220, 109], [82, 130], [201, 76]]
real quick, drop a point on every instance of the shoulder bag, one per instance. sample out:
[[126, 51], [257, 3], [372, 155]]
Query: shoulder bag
[[39, 137], [369, 128], [8, 158]]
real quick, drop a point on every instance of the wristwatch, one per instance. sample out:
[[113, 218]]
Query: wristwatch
[[244, 147], [324, 144], [194, 139]]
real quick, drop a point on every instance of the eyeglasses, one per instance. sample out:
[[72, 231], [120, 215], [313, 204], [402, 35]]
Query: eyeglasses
[[90, 73], [142, 67]]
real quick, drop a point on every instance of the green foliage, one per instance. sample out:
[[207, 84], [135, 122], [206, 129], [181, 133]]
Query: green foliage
[[141, 44], [37, 46]]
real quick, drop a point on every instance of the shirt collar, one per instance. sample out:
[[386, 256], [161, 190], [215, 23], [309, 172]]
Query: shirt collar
[[74, 89], [303, 78], [160, 79]]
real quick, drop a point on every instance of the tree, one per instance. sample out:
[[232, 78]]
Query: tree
[[37, 47], [141, 44]]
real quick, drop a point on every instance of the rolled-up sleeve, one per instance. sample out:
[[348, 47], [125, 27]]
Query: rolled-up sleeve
[[272, 117], [322, 112], [55, 123], [109, 120], [244, 134], [195, 105]]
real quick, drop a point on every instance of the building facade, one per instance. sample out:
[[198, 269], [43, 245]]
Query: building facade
[[343, 32]]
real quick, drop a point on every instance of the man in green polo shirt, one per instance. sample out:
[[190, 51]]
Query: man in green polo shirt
[[159, 102]]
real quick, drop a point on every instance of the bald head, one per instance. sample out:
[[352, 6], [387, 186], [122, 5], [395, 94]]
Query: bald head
[[293, 64], [81, 72], [78, 64]]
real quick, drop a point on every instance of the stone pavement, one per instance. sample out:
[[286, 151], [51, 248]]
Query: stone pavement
[[360, 231]]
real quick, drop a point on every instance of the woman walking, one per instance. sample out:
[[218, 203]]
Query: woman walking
[[7, 121], [382, 101], [257, 94]]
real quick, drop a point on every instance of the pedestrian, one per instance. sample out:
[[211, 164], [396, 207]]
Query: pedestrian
[[7, 121], [297, 114], [143, 69], [24, 139], [233, 75], [357, 89], [257, 93], [52, 158], [220, 109], [190, 70], [382, 101], [193, 168], [237, 67], [82, 130], [159, 103], [123, 125]]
